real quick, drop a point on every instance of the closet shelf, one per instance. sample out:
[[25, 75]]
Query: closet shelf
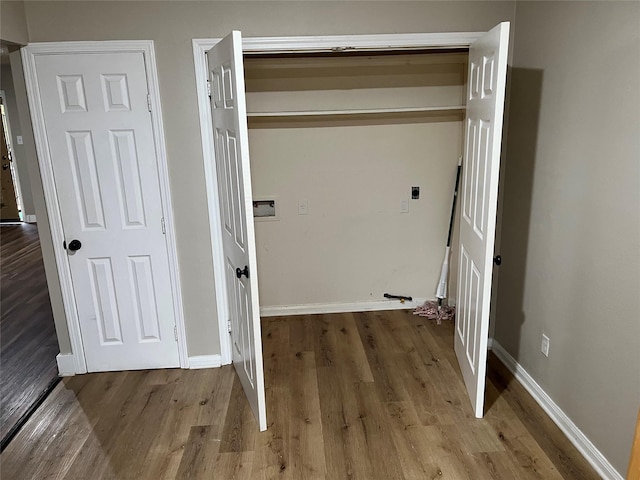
[[364, 111]]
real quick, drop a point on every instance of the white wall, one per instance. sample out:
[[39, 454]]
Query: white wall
[[354, 244], [172, 25], [571, 222]]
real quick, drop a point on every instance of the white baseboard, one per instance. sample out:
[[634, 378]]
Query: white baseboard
[[30, 218], [597, 460], [66, 364], [205, 361], [313, 308]]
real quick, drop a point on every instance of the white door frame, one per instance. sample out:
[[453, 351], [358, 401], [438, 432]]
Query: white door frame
[[263, 45], [29, 54]]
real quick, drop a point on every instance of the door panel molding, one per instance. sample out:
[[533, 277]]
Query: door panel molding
[[146, 47], [257, 45]]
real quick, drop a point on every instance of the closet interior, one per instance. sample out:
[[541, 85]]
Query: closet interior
[[338, 141]]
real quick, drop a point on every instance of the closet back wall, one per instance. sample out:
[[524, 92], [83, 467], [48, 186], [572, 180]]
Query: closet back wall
[[354, 244]]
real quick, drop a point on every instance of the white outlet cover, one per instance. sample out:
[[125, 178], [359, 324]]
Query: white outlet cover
[[19, 139], [404, 206], [544, 347]]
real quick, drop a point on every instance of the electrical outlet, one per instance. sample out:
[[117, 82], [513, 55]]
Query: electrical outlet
[[415, 193], [544, 347], [404, 206], [303, 207]]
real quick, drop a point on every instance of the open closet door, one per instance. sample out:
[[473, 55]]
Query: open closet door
[[481, 168], [231, 143]]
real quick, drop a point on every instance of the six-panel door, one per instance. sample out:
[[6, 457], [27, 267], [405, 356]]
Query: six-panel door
[[485, 106], [100, 137]]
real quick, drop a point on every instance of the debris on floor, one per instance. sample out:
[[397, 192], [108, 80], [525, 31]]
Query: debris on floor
[[432, 311]]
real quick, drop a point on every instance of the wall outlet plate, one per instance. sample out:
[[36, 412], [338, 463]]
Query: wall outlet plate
[[415, 193], [544, 347], [404, 206]]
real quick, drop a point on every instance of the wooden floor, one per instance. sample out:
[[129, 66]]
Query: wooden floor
[[349, 396], [28, 345]]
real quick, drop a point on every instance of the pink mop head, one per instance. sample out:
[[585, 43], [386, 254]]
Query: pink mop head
[[432, 312]]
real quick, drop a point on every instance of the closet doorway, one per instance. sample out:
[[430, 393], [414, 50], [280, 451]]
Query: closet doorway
[[226, 150]]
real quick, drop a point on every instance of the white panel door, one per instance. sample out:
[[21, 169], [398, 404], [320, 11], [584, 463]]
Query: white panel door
[[231, 143], [485, 107], [100, 137]]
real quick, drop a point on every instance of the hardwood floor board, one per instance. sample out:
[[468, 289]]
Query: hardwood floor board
[[236, 466], [214, 403], [21, 459], [477, 437], [439, 455], [239, 432], [200, 454], [164, 376], [324, 344], [301, 333], [381, 352], [271, 459], [445, 376], [28, 342], [306, 449], [343, 438], [137, 438], [349, 351], [566, 458], [324, 421], [430, 405], [200, 398], [530, 459], [382, 458], [94, 457]]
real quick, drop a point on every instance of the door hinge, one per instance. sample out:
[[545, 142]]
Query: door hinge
[[229, 326], [149, 102], [164, 230], [175, 332], [209, 88]]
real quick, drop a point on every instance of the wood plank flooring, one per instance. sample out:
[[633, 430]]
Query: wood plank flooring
[[373, 395], [28, 345]]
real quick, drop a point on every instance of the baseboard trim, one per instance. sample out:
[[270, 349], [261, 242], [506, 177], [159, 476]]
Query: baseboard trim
[[314, 308], [30, 219], [205, 361], [588, 450], [66, 364]]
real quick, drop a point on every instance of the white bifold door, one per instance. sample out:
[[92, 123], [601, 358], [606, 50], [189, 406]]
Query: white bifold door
[[101, 145], [231, 143], [485, 106]]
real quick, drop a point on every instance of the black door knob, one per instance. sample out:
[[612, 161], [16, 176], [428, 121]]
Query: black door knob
[[497, 260], [244, 272], [74, 245]]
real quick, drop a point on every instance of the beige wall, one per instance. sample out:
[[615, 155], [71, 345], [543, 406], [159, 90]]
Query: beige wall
[[13, 24], [571, 223], [172, 25], [19, 151]]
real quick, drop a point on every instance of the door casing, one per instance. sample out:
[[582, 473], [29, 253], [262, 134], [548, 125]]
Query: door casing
[[146, 47], [266, 45]]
